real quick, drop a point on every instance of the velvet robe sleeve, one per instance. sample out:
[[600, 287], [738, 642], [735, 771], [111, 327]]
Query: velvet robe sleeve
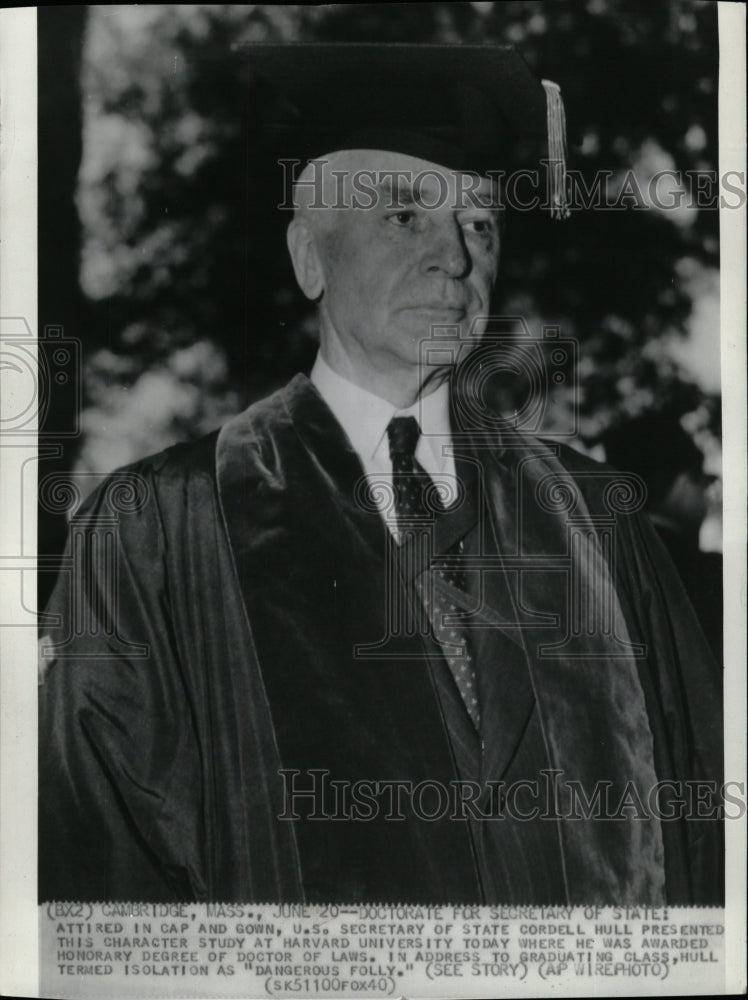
[[683, 687], [114, 723], [158, 761]]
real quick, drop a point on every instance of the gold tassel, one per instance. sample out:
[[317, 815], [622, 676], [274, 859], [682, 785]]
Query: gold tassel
[[556, 150]]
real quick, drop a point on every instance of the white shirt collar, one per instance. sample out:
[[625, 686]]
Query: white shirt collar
[[365, 416]]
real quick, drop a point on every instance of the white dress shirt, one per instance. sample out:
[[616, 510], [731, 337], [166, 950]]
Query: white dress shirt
[[364, 417]]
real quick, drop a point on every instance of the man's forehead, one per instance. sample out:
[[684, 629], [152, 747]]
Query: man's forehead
[[394, 180], [424, 185], [393, 165]]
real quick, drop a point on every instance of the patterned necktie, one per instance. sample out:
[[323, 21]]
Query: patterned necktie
[[416, 499]]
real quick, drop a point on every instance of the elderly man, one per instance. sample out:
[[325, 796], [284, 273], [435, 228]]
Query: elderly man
[[366, 643]]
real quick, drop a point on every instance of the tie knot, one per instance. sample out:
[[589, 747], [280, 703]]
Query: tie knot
[[403, 434]]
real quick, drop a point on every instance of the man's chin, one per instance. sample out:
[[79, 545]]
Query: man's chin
[[429, 321], [440, 328]]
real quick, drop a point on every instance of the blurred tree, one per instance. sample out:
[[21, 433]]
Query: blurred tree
[[62, 307], [181, 249]]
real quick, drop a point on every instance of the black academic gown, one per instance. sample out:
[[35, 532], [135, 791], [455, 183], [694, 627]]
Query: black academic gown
[[701, 573], [232, 645]]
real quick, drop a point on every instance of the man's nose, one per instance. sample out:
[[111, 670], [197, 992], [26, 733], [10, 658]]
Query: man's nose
[[446, 251]]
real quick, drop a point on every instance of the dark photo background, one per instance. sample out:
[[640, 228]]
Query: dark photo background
[[162, 256]]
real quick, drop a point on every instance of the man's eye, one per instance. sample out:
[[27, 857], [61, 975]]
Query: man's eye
[[401, 218], [480, 226]]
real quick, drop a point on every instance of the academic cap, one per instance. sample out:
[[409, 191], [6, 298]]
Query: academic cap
[[463, 107]]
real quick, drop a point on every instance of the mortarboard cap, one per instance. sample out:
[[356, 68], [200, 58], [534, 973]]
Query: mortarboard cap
[[464, 107]]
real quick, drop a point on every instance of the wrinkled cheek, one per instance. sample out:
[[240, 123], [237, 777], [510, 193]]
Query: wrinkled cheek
[[484, 288], [357, 303]]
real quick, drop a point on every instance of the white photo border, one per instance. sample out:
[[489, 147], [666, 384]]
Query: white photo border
[[19, 926]]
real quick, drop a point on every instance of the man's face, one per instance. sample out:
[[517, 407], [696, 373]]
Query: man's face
[[419, 252]]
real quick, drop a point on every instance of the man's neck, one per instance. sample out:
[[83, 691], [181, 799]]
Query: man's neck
[[400, 387]]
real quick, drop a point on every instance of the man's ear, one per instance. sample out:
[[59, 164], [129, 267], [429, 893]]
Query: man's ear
[[305, 257]]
